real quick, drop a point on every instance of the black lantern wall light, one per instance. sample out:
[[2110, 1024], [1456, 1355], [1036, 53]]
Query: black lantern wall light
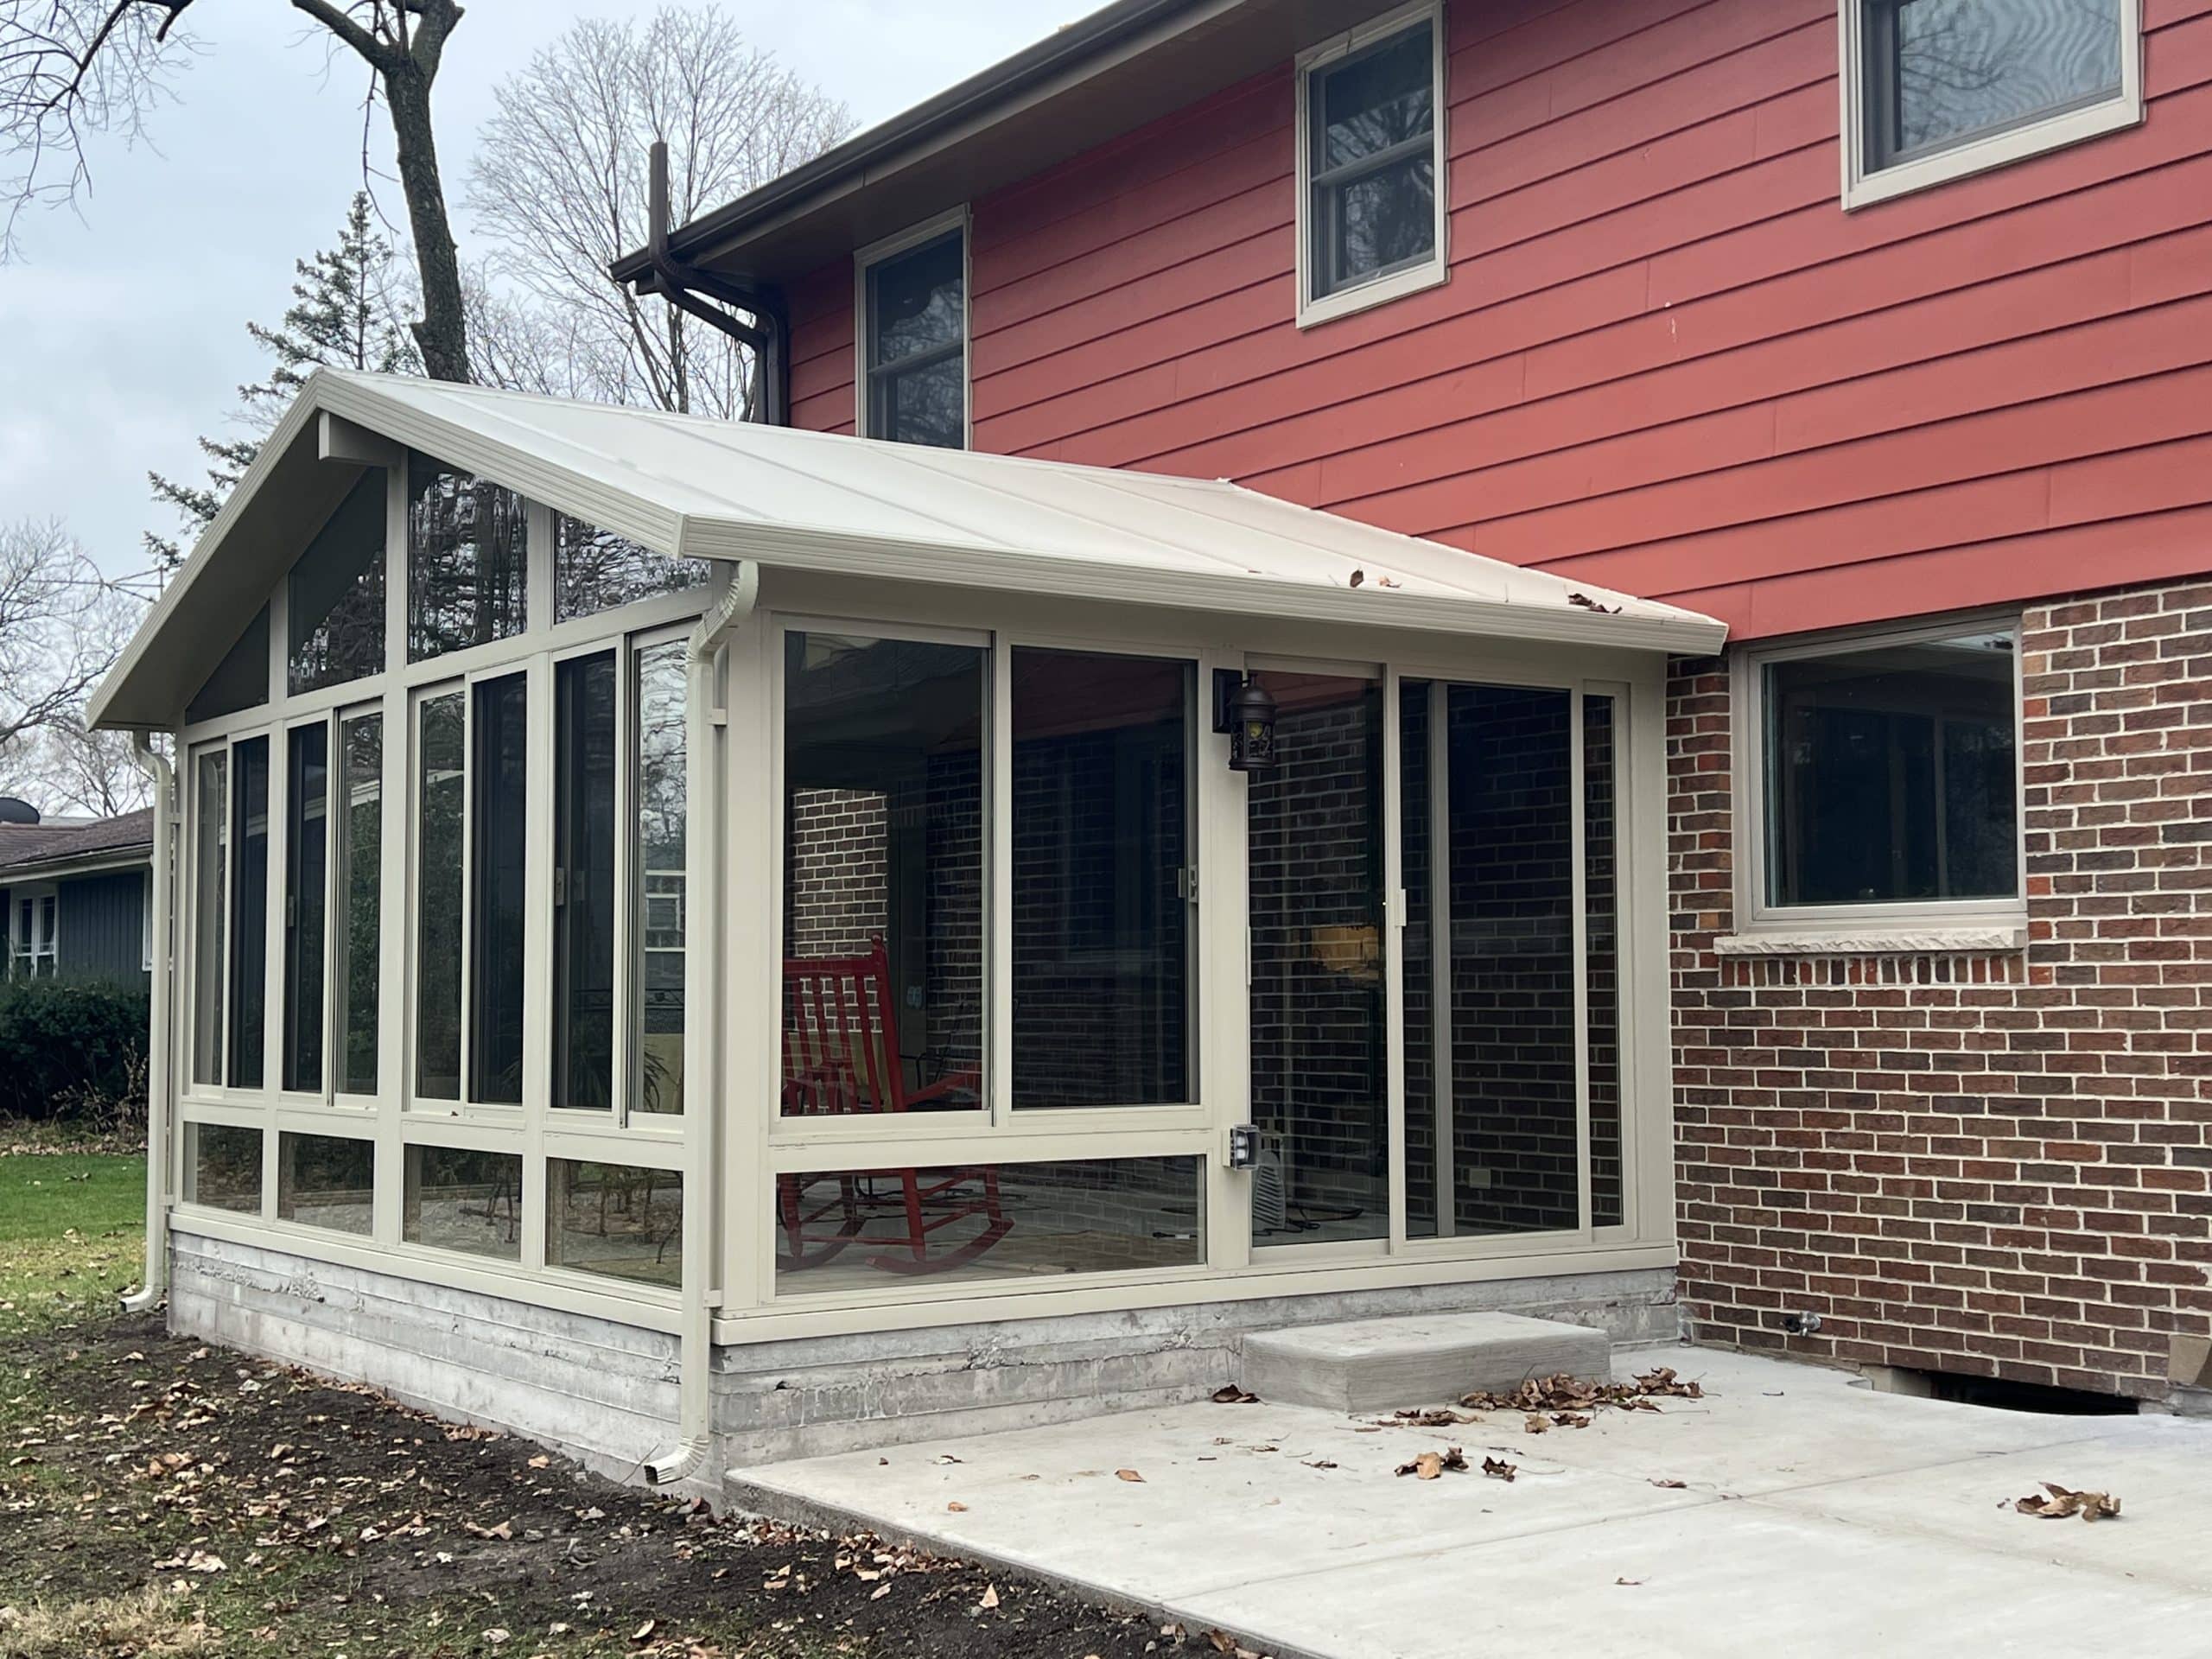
[[1242, 708]]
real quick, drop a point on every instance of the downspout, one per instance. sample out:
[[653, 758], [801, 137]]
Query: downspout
[[163, 778], [768, 336], [704, 717]]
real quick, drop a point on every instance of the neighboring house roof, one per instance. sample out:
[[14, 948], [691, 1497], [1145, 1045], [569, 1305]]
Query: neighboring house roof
[[1105, 74], [687, 487], [40, 851]]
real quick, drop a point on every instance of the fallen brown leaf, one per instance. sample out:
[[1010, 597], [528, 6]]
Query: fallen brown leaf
[[1230, 1394], [1498, 1469], [1430, 1464], [2063, 1502], [1129, 1474]]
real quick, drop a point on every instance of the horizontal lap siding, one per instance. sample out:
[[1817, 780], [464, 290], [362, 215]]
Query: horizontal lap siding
[[1666, 359]]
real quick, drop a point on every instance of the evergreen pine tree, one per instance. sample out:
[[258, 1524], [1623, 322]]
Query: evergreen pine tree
[[345, 311]]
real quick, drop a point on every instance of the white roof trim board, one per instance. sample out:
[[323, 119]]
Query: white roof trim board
[[695, 488]]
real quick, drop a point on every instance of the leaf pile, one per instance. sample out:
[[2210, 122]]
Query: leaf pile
[[2062, 1502]]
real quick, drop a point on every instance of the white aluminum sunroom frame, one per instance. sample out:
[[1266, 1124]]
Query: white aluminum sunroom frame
[[800, 529]]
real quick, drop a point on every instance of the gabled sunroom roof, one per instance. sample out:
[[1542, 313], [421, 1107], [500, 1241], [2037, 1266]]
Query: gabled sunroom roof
[[693, 487]]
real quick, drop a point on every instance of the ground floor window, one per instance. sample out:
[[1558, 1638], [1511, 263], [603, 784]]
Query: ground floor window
[[465, 1200], [35, 941], [326, 1180], [618, 1221], [222, 1167]]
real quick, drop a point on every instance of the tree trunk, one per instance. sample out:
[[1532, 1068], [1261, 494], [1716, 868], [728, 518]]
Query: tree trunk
[[443, 332]]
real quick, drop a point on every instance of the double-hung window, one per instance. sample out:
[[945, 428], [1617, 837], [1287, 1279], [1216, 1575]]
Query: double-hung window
[[1936, 89], [1370, 165], [1883, 775], [34, 950], [913, 329]]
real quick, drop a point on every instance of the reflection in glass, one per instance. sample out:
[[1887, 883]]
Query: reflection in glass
[[883, 875], [498, 837], [657, 913], [307, 793], [241, 680], [1943, 72], [616, 1220], [326, 1180], [222, 1167], [467, 570], [1101, 984], [583, 881], [456, 1200], [1009, 1223], [1372, 171], [357, 971], [596, 570], [210, 910], [1602, 955], [916, 349], [1890, 773], [249, 911], [335, 594], [1319, 1080], [439, 794]]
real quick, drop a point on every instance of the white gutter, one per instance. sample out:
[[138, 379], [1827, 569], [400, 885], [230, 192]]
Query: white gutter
[[163, 778], [704, 718]]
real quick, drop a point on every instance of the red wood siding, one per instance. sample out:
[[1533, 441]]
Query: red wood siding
[[1666, 360]]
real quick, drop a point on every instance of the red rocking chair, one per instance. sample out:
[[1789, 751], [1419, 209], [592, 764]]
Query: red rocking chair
[[841, 1058]]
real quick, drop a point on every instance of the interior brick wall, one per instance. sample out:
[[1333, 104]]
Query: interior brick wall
[[1985, 1163]]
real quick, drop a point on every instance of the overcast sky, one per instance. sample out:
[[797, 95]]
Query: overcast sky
[[122, 332]]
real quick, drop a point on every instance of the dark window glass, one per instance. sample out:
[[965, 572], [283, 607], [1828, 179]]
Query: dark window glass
[[1602, 955], [357, 972], [1890, 775], [326, 1180], [211, 914], [1319, 1093], [222, 1167], [306, 879], [335, 599], [249, 909], [1371, 126], [462, 1200], [659, 880], [616, 1220], [917, 390], [241, 680], [1943, 72], [498, 834], [594, 570], [883, 875], [583, 881], [1102, 879], [467, 569], [441, 795]]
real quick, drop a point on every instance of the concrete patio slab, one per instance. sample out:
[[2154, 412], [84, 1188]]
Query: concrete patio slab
[[1814, 1518]]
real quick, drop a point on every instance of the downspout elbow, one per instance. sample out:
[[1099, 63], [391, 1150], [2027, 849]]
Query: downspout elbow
[[162, 778]]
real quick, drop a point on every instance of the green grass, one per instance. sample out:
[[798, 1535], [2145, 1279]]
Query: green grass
[[72, 1236]]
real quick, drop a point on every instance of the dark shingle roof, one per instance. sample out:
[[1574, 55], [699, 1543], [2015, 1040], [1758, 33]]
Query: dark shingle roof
[[24, 845]]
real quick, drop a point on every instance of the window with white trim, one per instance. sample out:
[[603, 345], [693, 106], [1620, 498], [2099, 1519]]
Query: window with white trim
[[34, 945], [1936, 89], [1370, 165], [1885, 776], [913, 338]]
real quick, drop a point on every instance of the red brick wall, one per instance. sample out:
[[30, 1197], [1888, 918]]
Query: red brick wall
[[1989, 1164]]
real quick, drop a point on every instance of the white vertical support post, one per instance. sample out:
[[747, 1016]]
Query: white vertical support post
[[1221, 1022], [1394, 953], [537, 889], [998, 820], [1646, 994], [748, 1062], [396, 899]]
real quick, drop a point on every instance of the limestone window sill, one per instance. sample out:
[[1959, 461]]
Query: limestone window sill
[[1874, 941]]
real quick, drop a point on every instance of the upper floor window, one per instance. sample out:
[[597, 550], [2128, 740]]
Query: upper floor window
[[467, 563], [1885, 771], [913, 338], [1369, 159], [335, 594], [1936, 89]]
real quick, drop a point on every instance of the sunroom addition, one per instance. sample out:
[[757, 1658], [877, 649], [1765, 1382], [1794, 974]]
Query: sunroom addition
[[718, 881]]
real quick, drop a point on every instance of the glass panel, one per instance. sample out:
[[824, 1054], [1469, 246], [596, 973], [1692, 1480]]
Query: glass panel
[[1488, 801], [222, 1167], [1602, 962], [583, 882], [883, 875], [1373, 163], [657, 917], [336, 594], [440, 792], [306, 895], [1945, 71], [1418, 804], [210, 912], [357, 971], [241, 680], [1319, 1081], [594, 570], [863, 1230], [498, 835], [918, 366], [1890, 775], [326, 1180], [467, 569], [1101, 857], [616, 1220], [249, 911], [465, 1201]]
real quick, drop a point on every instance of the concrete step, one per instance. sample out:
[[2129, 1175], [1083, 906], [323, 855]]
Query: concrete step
[[1371, 1365]]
